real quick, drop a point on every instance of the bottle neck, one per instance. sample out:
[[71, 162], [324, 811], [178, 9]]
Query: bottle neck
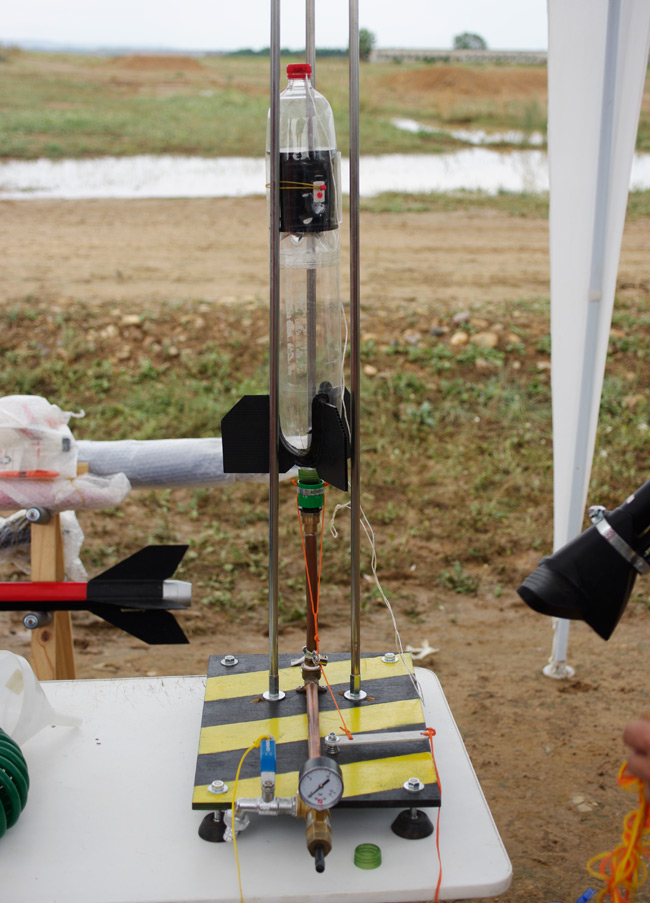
[[299, 85]]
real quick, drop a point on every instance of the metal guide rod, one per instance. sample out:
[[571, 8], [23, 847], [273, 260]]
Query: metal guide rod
[[355, 691], [313, 721], [310, 41], [310, 55], [274, 692]]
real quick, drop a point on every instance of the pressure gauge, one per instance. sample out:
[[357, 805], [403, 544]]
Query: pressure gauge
[[320, 783]]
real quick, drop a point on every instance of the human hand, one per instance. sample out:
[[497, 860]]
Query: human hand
[[637, 736]]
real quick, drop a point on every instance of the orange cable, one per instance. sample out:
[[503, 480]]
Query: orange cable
[[344, 727], [430, 733]]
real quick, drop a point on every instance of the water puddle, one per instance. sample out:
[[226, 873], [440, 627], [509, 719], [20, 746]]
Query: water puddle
[[477, 137], [474, 169]]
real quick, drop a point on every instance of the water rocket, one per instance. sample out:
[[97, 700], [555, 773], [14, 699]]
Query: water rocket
[[313, 404], [135, 595]]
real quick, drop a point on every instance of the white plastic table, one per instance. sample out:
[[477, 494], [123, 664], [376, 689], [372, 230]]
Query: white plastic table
[[109, 817]]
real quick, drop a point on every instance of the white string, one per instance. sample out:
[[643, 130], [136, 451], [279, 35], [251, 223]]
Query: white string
[[367, 527], [370, 535]]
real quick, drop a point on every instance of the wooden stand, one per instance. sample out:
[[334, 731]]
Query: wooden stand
[[52, 647]]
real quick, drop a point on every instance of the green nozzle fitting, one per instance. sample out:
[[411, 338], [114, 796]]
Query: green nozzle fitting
[[310, 488], [367, 856]]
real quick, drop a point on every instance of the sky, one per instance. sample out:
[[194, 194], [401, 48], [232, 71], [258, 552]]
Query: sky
[[233, 24]]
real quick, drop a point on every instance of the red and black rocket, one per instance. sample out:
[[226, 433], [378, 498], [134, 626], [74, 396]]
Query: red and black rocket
[[136, 595]]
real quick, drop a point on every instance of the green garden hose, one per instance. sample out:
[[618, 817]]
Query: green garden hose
[[14, 782]]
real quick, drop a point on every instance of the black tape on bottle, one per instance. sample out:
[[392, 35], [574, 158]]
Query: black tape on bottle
[[307, 192]]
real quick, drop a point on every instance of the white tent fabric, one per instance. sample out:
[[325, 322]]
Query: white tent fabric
[[598, 56]]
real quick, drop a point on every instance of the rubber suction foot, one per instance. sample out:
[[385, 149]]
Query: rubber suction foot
[[412, 824], [212, 827]]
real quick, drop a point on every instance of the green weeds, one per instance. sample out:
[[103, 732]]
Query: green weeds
[[456, 442]]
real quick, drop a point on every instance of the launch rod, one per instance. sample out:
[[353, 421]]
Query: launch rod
[[310, 40], [274, 692], [355, 691], [310, 53]]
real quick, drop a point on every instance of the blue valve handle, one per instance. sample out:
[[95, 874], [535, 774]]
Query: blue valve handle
[[267, 756]]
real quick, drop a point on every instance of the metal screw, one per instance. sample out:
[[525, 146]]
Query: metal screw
[[37, 619], [229, 661], [218, 787], [413, 785], [390, 658], [596, 513], [331, 743], [36, 515]]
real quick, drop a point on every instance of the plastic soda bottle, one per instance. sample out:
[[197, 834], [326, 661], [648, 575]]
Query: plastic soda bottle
[[310, 215]]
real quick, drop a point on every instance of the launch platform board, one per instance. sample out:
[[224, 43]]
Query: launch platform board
[[235, 714]]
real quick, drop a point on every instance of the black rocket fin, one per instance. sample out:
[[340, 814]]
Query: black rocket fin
[[154, 627], [329, 446], [245, 436], [150, 563]]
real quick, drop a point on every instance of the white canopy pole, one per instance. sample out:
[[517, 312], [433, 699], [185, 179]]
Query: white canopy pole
[[598, 52]]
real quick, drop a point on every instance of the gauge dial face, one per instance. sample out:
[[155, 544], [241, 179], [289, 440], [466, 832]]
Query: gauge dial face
[[320, 784]]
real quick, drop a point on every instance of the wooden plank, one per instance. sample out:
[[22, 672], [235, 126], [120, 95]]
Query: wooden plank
[[52, 646]]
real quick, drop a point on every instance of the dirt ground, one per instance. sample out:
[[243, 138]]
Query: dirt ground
[[546, 752]]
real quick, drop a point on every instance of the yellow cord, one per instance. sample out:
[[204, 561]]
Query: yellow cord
[[285, 185], [234, 802]]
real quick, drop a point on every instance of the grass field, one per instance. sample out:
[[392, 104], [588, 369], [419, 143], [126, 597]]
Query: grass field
[[422, 401], [59, 105], [63, 105]]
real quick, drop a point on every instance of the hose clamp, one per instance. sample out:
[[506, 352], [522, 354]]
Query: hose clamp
[[597, 516]]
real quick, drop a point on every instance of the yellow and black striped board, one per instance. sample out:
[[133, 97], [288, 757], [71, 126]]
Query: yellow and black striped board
[[235, 715]]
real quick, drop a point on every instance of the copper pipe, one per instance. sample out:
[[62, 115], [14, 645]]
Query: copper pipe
[[311, 524]]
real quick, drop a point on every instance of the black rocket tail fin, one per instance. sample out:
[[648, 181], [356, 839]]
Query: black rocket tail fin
[[150, 563], [245, 434], [153, 626], [131, 595]]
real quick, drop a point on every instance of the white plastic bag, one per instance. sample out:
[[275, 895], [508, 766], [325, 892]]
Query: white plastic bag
[[35, 439], [84, 492]]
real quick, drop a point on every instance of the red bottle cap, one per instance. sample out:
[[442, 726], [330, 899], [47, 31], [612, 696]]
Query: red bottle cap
[[298, 70]]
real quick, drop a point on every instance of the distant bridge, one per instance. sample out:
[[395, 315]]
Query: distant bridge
[[513, 57]]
